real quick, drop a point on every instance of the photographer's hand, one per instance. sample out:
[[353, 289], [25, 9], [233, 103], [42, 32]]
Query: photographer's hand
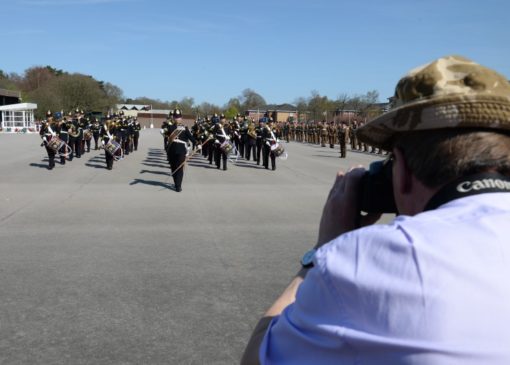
[[341, 211]]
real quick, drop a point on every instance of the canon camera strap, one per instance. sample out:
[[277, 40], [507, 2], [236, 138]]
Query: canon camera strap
[[470, 185]]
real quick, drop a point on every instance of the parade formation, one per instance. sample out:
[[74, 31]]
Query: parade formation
[[215, 138], [70, 137]]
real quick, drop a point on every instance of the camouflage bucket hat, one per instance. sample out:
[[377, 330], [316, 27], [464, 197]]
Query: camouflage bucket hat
[[451, 92]]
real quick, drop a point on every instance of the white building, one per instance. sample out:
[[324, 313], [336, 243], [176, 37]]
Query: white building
[[15, 117]]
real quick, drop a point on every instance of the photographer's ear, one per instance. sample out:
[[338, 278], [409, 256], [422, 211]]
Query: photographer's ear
[[402, 175]]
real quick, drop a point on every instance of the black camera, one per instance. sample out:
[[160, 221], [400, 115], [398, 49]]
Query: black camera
[[376, 189]]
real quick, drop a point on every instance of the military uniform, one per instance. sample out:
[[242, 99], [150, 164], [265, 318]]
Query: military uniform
[[269, 138], [342, 133], [299, 132], [331, 134], [95, 129], [107, 133], [260, 142], [323, 133], [211, 146], [251, 142], [178, 138], [235, 134], [63, 134], [87, 134], [243, 130], [352, 136], [77, 134], [221, 135], [47, 132]]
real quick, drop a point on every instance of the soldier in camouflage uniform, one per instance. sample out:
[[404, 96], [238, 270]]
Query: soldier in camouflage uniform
[[323, 130], [352, 135], [331, 134], [342, 132], [293, 131]]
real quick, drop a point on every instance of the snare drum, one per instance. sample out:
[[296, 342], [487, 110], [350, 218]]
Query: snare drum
[[226, 147], [277, 149], [112, 147], [55, 143]]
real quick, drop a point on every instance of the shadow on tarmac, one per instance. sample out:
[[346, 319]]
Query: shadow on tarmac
[[153, 183], [205, 166], [155, 160], [245, 164], [155, 165], [160, 153], [96, 166], [40, 165], [156, 151], [155, 172], [326, 156]]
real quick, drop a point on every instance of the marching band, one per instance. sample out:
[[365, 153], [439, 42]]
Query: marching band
[[71, 136], [216, 139]]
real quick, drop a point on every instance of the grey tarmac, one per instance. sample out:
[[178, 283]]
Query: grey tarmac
[[115, 267]]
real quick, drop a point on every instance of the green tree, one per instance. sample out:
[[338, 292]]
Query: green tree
[[232, 108], [6, 82], [231, 112]]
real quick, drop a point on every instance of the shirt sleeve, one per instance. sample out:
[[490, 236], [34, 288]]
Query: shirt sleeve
[[305, 331]]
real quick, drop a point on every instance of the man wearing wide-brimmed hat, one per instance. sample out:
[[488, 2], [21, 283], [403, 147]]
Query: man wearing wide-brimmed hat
[[432, 286]]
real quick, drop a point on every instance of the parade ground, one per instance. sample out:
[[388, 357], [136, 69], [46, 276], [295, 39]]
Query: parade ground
[[115, 267]]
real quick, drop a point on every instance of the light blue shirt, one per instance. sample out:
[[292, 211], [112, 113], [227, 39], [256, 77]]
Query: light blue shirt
[[428, 289]]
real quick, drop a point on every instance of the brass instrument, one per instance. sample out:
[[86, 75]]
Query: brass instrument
[[73, 132], [251, 131]]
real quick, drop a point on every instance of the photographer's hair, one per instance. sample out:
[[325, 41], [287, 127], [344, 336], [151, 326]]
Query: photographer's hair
[[439, 156]]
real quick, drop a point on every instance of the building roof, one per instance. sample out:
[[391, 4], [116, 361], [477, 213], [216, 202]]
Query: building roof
[[281, 107], [133, 107], [10, 93], [18, 107]]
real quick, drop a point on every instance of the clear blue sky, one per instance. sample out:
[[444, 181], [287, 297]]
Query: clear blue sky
[[282, 49]]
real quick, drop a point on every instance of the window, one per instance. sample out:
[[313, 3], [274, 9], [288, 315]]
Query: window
[[18, 119]]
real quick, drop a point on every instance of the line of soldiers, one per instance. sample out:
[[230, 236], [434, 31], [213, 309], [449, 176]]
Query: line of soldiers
[[322, 133], [71, 136]]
